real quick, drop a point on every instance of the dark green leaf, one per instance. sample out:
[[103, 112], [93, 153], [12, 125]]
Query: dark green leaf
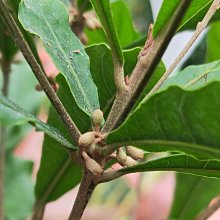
[[83, 5], [12, 114], [7, 45], [19, 195], [179, 163], [194, 14], [213, 41], [123, 23], [175, 120], [49, 20], [158, 73], [166, 11], [192, 195]]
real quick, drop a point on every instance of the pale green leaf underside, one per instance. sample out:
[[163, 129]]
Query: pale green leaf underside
[[194, 77], [12, 114], [18, 187], [49, 20], [179, 163], [175, 120]]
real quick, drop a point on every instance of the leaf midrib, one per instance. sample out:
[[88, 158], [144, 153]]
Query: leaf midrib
[[66, 58], [164, 143]]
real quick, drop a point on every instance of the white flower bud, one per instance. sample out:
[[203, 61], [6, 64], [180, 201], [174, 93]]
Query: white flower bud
[[97, 117], [93, 166], [121, 156], [130, 162], [135, 153], [86, 139]]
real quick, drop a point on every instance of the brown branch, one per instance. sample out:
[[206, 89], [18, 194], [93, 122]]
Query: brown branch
[[86, 189], [37, 70], [148, 60], [210, 210], [199, 28]]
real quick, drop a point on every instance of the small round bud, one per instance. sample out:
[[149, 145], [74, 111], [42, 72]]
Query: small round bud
[[93, 166], [130, 162], [135, 153], [86, 139], [121, 156], [97, 117], [38, 88]]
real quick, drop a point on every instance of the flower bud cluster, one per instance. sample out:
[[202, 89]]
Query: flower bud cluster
[[129, 156]]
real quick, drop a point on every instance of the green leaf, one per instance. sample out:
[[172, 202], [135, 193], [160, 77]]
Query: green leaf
[[175, 120], [196, 13], [83, 5], [12, 114], [213, 40], [192, 195], [157, 74], [166, 11], [193, 15], [18, 188], [178, 163], [104, 13], [58, 175], [49, 20], [194, 76], [123, 24], [7, 45], [142, 15]]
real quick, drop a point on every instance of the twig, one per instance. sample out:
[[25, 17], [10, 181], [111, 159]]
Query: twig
[[86, 189], [209, 211], [36, 68], [109, 175], [199, 28], [148, 60]]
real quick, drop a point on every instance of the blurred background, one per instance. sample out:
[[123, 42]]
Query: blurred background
[[145, 196]]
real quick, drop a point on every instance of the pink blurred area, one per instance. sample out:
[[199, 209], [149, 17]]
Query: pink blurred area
[[153, 200]]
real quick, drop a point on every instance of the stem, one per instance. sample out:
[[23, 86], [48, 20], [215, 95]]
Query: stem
[[6, 71], [39, 214], [148, 60], [209, 211], [199, 28], [37, 70], [86, 189], [103, 10]]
